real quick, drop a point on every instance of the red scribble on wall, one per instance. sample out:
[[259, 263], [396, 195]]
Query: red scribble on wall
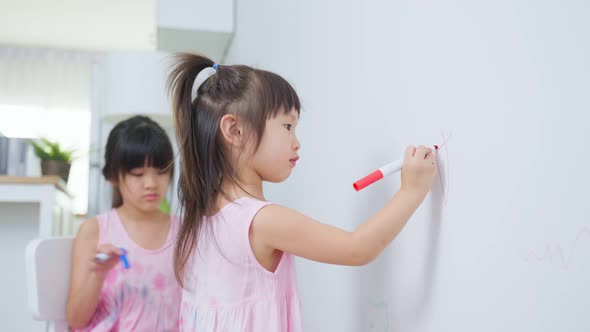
[[557, 253], [444, 177]]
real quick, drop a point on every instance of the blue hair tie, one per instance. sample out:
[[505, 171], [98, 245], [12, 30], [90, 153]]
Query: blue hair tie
[[215, 66]]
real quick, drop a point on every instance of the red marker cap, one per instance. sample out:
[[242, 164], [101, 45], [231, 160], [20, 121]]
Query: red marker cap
[[367, 180]]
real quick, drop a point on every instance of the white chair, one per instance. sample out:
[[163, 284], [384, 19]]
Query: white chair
[[48, 265]]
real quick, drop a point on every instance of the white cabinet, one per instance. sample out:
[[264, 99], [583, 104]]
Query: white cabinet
[[30, 207], [199, 26], [196, 15], [84, 25], [46, 193], [112, 25]]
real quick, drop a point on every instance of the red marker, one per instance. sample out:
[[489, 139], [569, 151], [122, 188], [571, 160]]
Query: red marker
[[380, 173]]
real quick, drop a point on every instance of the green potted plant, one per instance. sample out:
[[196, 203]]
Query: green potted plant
[[54, 159]]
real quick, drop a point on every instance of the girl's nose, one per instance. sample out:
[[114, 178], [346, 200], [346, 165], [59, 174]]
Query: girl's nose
[[297, 146], [150, 181]]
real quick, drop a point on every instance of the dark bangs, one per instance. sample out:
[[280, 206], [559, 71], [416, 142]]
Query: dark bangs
[[142, 146], [276, 94], [137, 142]]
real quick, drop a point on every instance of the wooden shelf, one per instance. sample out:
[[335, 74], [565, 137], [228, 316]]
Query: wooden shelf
[[58, 182]]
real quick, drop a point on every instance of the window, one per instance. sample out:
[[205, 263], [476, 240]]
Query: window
[[70, 128]]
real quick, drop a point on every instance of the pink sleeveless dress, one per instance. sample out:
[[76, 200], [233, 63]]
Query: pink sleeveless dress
[[145, 297], [227, 290]]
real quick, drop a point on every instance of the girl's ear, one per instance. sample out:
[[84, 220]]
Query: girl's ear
[[232, 130]]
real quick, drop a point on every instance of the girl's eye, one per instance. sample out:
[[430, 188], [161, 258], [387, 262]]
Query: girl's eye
[[288, 126], [136, 174]]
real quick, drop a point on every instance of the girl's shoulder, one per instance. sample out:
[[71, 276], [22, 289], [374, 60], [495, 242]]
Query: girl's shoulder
[[89, 229], [250, 202]]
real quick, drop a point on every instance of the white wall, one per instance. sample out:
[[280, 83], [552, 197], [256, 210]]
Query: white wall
[[508, 82]]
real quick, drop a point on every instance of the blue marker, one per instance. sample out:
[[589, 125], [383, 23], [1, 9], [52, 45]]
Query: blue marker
[[124, 259]]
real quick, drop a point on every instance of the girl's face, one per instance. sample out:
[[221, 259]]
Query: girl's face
[[277, 154], [144, 187]]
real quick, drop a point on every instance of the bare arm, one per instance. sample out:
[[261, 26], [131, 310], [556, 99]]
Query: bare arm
[[281, 228], [87, 276]]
